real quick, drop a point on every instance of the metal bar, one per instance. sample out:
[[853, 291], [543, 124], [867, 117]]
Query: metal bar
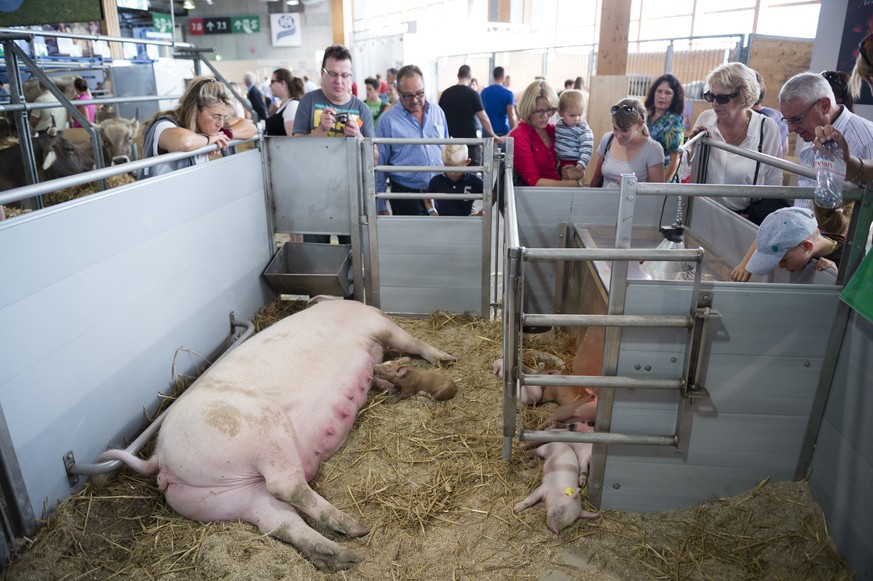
[[487, 227], [430, 168], [511, 219], [618, 320], [602, 438], [25, 192], [762, 157], [93, 37], [512, 296], [606, 381], [629, 254], [612, 343], [151, 430], [100, 101], [371, 260], [22, 123], [561, 267], [429, 141], [428, 195]]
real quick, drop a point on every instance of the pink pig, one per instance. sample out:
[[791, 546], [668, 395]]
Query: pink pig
[[560, 489], [245, 441]]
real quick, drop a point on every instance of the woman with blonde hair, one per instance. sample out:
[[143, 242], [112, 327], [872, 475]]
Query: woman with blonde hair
[[203, 117], [733, 89], [628, 148], [534, 158]]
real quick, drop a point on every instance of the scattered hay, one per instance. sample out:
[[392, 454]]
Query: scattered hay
[[428, 479], [75, 192]]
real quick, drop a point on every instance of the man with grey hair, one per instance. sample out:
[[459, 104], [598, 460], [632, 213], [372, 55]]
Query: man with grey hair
[[806, 102], [255, 97]]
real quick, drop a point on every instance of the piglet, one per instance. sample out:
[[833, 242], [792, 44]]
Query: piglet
[[559, 490], [413, 380]]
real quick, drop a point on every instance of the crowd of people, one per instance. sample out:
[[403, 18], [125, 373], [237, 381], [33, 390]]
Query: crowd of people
[[553, 144]]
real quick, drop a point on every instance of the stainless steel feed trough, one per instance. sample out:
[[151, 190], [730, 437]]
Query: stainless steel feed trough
[[311, 269]]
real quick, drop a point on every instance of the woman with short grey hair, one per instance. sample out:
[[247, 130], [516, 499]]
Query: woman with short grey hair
[[732, 89]]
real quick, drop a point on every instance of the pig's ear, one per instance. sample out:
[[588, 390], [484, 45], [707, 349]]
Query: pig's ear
[[402, 370]]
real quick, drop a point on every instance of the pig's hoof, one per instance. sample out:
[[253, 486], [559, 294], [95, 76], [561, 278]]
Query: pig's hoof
[[328, 559], [356, 529]]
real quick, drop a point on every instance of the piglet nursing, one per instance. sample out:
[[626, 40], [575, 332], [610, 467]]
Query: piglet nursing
[[413, 380]]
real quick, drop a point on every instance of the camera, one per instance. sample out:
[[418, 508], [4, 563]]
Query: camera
[[342, 118]]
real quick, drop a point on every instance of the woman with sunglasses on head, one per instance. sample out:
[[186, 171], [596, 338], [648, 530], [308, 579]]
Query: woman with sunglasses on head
[[732, 89], [628, 148], [839, 82], [288, 90], [203, 117], [665, 105], [535, 160]]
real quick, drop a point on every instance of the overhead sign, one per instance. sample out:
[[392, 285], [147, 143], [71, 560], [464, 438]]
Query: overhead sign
[[285, 29], [224, 25], [162, 23]]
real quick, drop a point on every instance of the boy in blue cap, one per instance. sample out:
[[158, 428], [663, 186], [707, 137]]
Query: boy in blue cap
[[789, 238]]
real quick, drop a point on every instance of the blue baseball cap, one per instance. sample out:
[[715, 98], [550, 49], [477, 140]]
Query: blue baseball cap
[[778, 233]]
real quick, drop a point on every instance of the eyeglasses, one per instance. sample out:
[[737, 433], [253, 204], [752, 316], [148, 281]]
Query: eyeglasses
[[418, 96], [627, 109], [274, 81], [722, 99], [219, 118], [334, 75], [836, 82], [798, 119], [547, 112]]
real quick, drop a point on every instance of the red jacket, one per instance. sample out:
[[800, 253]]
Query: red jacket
[[532, 159]]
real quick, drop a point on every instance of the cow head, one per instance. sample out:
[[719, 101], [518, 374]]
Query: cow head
[[117, 135], [58, 157]]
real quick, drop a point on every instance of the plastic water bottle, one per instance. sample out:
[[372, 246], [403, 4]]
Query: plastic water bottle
[[830, 173]]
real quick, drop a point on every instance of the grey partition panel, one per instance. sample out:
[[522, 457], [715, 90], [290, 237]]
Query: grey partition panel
[[428, 263], [135, 81], [541, 211], [102, 292], [313, 181], [763, 360], [842, 464]]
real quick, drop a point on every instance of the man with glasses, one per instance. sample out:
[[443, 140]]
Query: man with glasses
[[332, 111], [416, 118], [806, 102]]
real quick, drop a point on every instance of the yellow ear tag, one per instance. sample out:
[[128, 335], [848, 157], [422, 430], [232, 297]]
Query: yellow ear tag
[[570, 491]]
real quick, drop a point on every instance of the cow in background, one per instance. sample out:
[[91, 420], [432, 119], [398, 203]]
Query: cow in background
[[55, 156], [117, 135]]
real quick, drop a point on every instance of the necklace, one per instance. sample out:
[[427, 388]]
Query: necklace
[[739, 136]]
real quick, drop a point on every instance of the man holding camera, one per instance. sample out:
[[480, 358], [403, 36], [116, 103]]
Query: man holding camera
[[417, 118], [332, 111]]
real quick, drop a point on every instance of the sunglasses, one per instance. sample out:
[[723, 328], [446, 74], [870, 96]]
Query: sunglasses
[[863, 51], [836, 82], [709, 96], [627, 109]]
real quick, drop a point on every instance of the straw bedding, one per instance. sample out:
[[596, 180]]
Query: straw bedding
[[428, 479]]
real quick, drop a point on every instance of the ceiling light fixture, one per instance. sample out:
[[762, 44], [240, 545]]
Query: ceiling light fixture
[[188, 5], [292, 2]]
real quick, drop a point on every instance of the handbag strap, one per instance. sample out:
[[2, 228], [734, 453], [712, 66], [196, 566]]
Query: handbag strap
[[760, 145]]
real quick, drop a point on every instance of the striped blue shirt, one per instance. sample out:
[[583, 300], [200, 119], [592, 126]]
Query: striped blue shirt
[[398, 122]]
